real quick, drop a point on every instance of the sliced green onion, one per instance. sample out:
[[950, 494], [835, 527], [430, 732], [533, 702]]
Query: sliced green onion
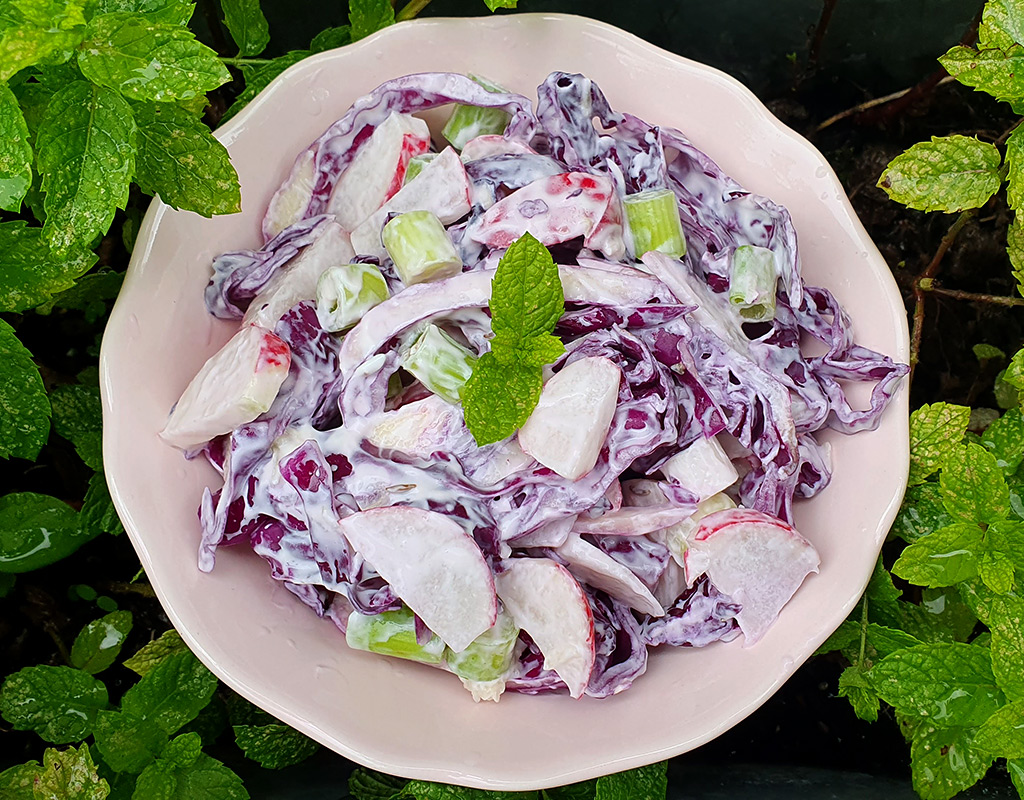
[[653, 218], [489, 656], [416, 165], [468, 122], [752, 283], [420, 248], [347, 291], [392, 633], [440, 363]]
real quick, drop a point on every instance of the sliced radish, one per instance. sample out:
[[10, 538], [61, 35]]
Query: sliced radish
[[545, 600], [568, 427], [550, 534], [417, 429], [754, 558], [634, 521], [592, 565], [289, 203], [671, 584], [378, 169], [703, 468], [493, 144], [296, 280], [432, 564], [237, 384], [442, 188], [554, 209]]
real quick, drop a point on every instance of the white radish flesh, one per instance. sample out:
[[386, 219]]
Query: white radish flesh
[[568, 427], [754, 558], [703, 468], [633, 521], [237, 384], [289, 203], [592, 565], [493, 144], [432, 564], [545, 600], [378, 169]]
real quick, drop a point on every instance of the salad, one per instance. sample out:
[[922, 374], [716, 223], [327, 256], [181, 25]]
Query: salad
[[526, 399]]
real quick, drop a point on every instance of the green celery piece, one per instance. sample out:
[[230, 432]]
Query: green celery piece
[[392, 633], [347, 291], [752, 283], [489, 656], [653, 218], [467, 122], [416, 165], [439, 363], [950, 173], [420, 248]]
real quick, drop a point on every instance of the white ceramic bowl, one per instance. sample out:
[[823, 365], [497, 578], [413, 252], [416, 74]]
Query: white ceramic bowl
[[407, 719]]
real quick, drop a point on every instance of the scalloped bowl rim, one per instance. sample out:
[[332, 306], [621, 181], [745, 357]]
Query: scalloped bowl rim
[[406, 719]]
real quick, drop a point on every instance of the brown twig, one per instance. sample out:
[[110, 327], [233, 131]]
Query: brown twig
[[868, 104], [814, 52], [974, 297], [924, 284], [117, 587]]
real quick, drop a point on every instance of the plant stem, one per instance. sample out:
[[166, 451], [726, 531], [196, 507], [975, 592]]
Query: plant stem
[[1009, 302], [863, 632], [117, 587], [411, 9], [923, 284], [868, 104], [244, 62], [827, 9]]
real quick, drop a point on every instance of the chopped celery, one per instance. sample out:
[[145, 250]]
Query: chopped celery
[[653, 218], [489, 656], [416, 165], [752, 283], [420, 248], [468, 122], [392, 633], [440, 363], [347, 291]]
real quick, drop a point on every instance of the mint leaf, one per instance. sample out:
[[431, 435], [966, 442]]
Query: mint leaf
[[146, 60], [369, 16], [126, 742], [941, 616], [526, 294], [996, 72], [498, 398], [31, 274], [172, 693], [1016, 769], [169, 643], [15, 152], [180, 160], [16, 783], [366, 784], [1015, 170], [972, 485], [203, 779], [1004, 439], [24, 407], [1015, 252], [184, 750], [883, 597], [331, 38], [643, 782], [257, 80], [70, 775], [494, 5], [845, 636], [78, 417], [97, 646], [85, 149], [945, 761], [1007, 625], [36, 530], [535, 351], [943, 558], [247, 25], [90, 294], [98, 514], [952, 684], [172, 12], [1002, 24], [855, 687], [58, 703], [936, 430], [574, 791], [996, 571], [39, 32], [1007, 538], [1002, 734], [424, 790], [274, 746], [922, 513], [950, 173]]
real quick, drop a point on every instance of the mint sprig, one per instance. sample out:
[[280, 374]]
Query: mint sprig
[[526, 304]]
